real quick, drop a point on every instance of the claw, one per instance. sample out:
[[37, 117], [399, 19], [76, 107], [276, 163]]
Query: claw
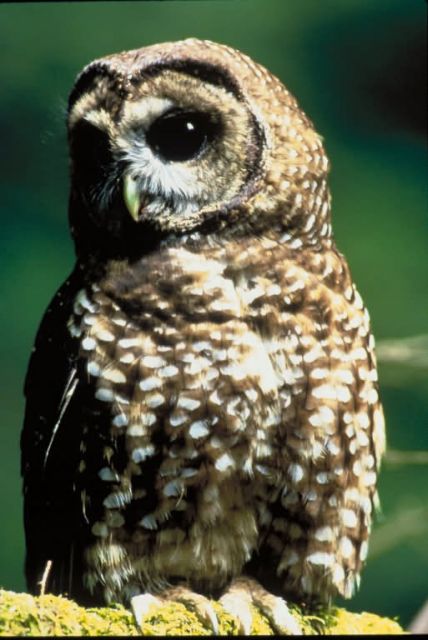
[[277, 611], [141, 605], [245, 592], [238, 605], [197, 603]]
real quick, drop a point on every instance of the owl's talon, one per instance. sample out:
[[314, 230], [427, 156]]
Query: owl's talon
[[280, 616], [245, 592], [141, 605], [239, 608], [199, 604]]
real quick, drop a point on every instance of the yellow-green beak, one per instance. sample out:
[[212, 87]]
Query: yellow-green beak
[[131, 196]]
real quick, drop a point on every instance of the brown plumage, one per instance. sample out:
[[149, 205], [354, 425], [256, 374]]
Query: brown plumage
[[213, 408]]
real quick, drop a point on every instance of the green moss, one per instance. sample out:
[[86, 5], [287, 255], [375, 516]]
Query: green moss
[[25, 615], [347, 623]]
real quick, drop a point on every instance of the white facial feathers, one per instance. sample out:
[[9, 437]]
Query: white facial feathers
[[149, 182]]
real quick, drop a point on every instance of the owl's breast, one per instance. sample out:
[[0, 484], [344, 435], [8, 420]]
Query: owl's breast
[[188, 395]]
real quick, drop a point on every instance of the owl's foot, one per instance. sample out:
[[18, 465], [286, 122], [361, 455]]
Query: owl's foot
[[195, 602], [141, 606], [244, 592]]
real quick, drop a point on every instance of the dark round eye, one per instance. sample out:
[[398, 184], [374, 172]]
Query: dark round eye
[[178, 136]]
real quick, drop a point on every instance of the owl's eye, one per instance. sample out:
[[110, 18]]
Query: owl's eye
[[178, 136]]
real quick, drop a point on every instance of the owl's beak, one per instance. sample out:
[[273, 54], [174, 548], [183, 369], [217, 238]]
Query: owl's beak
[[131, 196]]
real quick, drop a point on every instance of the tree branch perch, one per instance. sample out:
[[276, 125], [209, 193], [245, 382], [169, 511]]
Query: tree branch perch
[[24, 615]]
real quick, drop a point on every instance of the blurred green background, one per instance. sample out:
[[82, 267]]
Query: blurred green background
[[357, 68]]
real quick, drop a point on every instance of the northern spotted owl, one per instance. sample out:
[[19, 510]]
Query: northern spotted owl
[[202, 399]]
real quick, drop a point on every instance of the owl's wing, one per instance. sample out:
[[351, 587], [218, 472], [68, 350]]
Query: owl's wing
[[50, 448], [330, 440]]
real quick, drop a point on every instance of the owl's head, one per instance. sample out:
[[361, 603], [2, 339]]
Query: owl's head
[[187, 138]]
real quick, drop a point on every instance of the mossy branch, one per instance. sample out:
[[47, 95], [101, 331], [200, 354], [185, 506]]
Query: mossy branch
[[24, 615]]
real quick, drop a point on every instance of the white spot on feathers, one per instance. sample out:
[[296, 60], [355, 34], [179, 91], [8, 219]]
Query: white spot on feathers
[[296, 472], [346, 547], [153, 362], [88, 344], [105, 395], [324, 534], [140, 454], [120, 420], [104, 335], [93, 368], [199, 429], [114, 375], [190, 404], [150, 383], [168, 371], [149, 522], [224, 462], [108, 475], [349, 518], [321, 558], [155, 400]]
